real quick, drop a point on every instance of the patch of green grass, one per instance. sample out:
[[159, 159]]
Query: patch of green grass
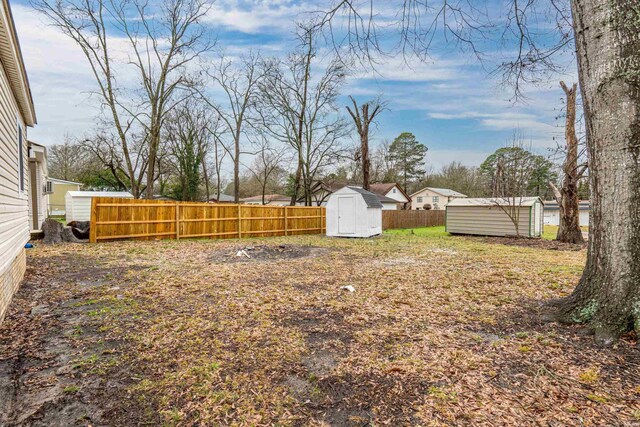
[[420, 232], [71, 389], [597, 398]]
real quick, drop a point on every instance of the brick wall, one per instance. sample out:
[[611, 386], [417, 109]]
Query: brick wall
[[10, 281]]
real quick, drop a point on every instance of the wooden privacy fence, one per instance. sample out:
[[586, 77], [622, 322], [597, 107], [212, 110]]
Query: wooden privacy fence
[[412, 219], [116, 218]]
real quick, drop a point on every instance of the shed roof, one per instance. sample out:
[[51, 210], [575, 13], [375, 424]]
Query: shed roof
[[370, 199], [506, 201], [99, 194]]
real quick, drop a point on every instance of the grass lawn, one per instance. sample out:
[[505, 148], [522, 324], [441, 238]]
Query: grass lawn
[[441, 330]]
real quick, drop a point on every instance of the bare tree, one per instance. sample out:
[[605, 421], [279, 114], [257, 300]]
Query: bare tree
[[301, 111], [511, 181], [126, 169], [188, 143], [363, 117], [160, 41], [267, 166], [567, 197], [239, 82], [63, 159]]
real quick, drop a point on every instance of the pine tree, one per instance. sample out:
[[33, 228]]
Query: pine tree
[[408, 154]]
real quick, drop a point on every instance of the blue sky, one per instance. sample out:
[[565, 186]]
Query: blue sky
[[450, 101]]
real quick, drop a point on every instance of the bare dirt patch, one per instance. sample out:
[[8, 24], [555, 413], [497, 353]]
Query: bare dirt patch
[[265, 253]]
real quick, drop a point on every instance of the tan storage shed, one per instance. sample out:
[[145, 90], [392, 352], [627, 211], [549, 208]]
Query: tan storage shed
[[493, 217]]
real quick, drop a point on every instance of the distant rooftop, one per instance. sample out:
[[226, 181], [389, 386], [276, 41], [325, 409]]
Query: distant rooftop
[[442, 191]]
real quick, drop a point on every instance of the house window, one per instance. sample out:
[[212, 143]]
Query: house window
[[419, 199], [20, 159], [48, 187], [394, 189], [435, 199]]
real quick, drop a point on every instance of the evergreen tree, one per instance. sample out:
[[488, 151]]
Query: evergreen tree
[[408, 155]]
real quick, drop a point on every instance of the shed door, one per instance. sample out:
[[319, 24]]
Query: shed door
[[346, 215], [536, 219]]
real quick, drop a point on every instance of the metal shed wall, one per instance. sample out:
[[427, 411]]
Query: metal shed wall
[[492, 220]]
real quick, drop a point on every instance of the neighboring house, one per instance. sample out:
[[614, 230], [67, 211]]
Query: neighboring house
[[388, 204], [320, 192], [269, 199], [393, 191], [436, 197], [552, 212], [222, 198], [17, 112], [38, 187], [58, 190]]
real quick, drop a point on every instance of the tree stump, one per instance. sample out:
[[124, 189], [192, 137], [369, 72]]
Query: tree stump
[[52, 230]]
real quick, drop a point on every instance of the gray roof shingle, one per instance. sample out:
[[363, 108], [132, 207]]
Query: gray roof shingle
[[370, 199]]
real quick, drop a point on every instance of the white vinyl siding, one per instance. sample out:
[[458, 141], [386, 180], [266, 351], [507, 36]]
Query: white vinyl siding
[[14, 209]]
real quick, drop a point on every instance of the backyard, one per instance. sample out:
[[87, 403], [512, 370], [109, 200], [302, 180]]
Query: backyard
[[439, 330]]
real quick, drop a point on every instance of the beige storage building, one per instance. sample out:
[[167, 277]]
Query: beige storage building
[[496, 217]]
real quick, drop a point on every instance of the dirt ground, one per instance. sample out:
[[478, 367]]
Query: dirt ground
[[440, 330]]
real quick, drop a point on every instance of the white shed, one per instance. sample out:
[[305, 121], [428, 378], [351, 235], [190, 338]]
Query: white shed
[[78, 203], [353, 212], [495, 217]]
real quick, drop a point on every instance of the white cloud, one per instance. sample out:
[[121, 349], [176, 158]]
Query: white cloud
[[398, 70], [255, 17], [59, 76]]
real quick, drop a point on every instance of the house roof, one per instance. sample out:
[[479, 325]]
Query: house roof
[[267, 198], [222, 198], [383, 188], [370, 198], [385, 199], [62, 181], [11, 59], [442, 191], [519, 201]]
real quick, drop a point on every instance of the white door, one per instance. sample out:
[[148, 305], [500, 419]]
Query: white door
[[346, 214]]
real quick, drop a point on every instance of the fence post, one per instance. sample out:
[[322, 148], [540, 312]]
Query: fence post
[[239, 220], [177, 221], [286, 221], [93, 228]]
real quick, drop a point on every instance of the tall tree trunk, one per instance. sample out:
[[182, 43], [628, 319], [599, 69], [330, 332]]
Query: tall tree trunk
[[569, 204], [205, 175], [366, 164], [608, 47], [296, 183], [236, 168]]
